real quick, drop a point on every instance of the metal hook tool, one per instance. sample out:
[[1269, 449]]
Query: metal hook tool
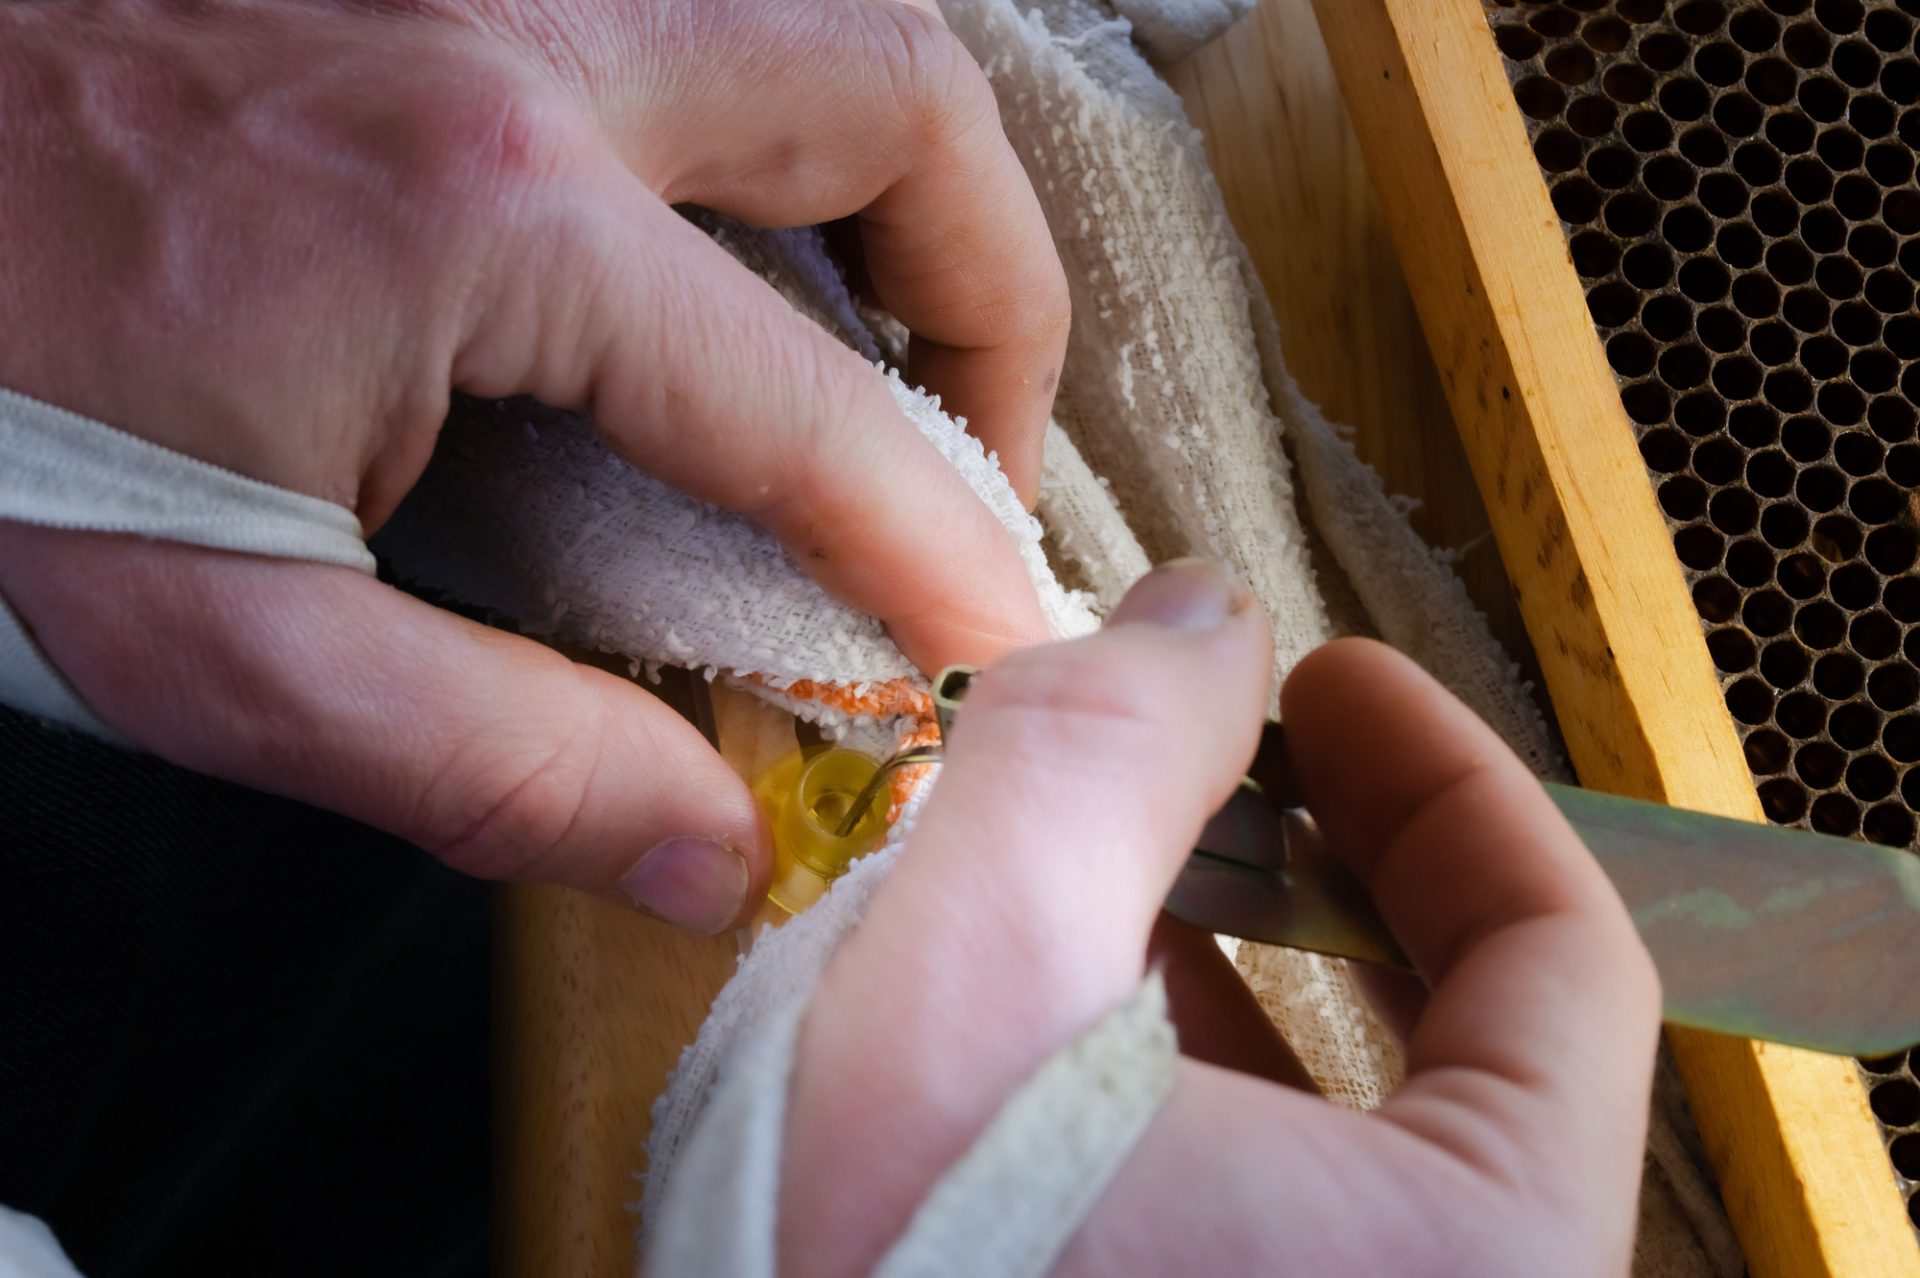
[[1759, 931]]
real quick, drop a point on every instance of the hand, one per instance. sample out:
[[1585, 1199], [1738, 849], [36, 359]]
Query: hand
[[1078, 776], [273, 235]]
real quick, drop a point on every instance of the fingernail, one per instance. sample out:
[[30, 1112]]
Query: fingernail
[[1184, 594], [697, 884]]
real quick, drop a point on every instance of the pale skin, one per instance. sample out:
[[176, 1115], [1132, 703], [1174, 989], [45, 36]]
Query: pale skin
[[277, 235]]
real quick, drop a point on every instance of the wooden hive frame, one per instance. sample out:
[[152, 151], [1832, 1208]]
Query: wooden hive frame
[[1801, 1166]]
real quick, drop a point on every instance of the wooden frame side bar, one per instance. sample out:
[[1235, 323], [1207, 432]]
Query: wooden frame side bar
[[1800, 1163]]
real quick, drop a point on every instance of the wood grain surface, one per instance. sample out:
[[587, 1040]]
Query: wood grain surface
[[1800, 1163]]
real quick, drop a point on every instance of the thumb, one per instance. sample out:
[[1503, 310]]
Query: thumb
[[494, 753], [1077, 777]]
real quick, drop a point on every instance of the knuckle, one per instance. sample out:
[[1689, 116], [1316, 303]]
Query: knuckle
[[1080, 699], [527, 796], [935, 82]]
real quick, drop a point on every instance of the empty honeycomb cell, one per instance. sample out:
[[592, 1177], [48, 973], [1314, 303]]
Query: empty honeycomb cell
[[1723, 194], [1856, 197], [1903, 464], [1571, 64], [1614, 167], [1590, 116], [1900, 80], [1910, 382], [1806, 310], [1854, 586], [1661, 51], [1801, 715], [1577, 198], [1901, 738], [1606, 35], [1647, 403], [1896, 1102], [1901, 211], [1553, 21], [1823, 357], [1784, 800], [1631, 213], [1820, 488], [1806, 439], [1771, 81], [1767, 613], [1683, 497], [1842, 17], [1666, 318], [1754, 425], [1902, 335], [1888, 824], [1754, 30], [1809, 180], [1855, 63], [1750, 564], [1612, 305], [1853, 726], [1908, 128], [1892, 550], [1685, 100], [1719, 63], [1838, 675], [1540, 97], [1775, 212], [1701, 413], [1516, 41], [1784, 663], [1648, 132], [1735, 511], [1687, 229], [1772, 342], [1838, 277], [1905, 1153], [1685, 366], [1631, 354], [1665, 450], [1647, 266], [1873, 370], [1870, 778], [1893, 687], [1801, 575], [1732, 650], [1627, 84], [1824, 230], [1820, 624], [1819, 764], [1857, 452], [1910, 789], [1889, 292], [1767, 751], [1783, 525], [1895, 1063], [1789, 262], [1903, 599], [1888, 30], [1836, 539], [1806, 45], [1739, 377], [1751, 701], [1874, 635], [1699, 17], [1857, 324], [1841, 404], [1716, 598], [1717, 461], [1911, 648], [1876, 501], [1822, 98], [1835, 814], [1872, 117], [1889, 163], [1558, 151], [1892, 418], [1840, 148]]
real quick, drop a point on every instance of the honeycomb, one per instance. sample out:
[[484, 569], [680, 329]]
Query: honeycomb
[[1736, 183]]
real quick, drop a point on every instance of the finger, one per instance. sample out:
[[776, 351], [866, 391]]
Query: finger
[[1077, 777], [494, 753], [874, 108], [701, 375], [1217, 1017], [1540, 1031]]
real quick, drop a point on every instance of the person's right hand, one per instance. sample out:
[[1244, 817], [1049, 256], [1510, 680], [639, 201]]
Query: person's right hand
[[1077, 777], [274, 235]]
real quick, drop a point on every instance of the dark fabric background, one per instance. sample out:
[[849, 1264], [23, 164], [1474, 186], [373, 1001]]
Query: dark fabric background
[[237, 1035]]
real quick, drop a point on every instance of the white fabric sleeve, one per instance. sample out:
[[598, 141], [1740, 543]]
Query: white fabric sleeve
[[28, 1248], [1006, 1209], [61, 470]]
